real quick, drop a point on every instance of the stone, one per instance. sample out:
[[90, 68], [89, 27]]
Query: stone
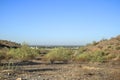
[[19, 79]]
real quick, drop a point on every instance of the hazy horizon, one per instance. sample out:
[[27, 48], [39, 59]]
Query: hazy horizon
[[59, 22]]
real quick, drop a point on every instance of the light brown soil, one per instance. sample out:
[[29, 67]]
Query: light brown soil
[[37, 70]]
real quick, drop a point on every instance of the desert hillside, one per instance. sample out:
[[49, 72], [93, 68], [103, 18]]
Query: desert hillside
[[96, 61], [8, 44], [112, 44], [108, 49]]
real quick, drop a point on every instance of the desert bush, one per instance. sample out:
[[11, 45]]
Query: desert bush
[[43, 51], [59, 54], [109, 46], [97, 56], [78, 55], [24, 53], [118, 48], [110, 56], [113, 56], [81, 49], [83, 57]]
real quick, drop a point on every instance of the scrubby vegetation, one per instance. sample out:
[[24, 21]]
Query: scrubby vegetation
[[96, 61], [104, 50], [23, 53], [59, 54], [97, 56]]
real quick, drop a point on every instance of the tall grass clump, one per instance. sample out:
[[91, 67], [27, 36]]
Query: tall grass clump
[[59, 54], [24, 53]]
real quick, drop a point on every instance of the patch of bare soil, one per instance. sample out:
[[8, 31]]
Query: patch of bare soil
[[36, 70]]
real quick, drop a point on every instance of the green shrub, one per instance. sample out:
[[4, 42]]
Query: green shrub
[[83, 57], [59, 54], [24, 53], [81, 50], [97, 56]]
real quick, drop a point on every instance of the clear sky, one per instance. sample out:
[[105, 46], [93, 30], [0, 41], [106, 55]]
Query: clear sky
[[59, 22]]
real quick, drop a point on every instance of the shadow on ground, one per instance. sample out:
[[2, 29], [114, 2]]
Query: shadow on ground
[[43, 69], [23, 63]]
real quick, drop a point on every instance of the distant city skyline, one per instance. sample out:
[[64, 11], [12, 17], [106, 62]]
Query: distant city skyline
[[59, 22]]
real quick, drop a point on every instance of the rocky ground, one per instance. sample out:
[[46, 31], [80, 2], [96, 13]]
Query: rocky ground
[[36, 70]]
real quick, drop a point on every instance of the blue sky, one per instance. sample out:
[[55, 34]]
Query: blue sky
[[59, 22]]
